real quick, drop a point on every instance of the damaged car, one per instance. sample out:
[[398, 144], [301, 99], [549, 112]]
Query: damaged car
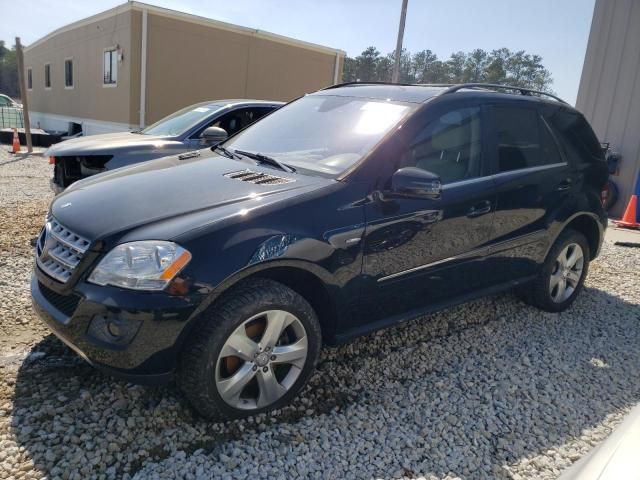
[[197, 126]]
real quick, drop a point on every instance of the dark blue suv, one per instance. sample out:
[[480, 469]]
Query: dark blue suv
[[345, 211]]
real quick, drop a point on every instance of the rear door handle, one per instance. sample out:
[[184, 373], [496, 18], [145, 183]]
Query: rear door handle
[[564, 185], [479, 209]]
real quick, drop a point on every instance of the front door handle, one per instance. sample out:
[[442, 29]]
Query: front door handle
[[479, 209], [564, 185]]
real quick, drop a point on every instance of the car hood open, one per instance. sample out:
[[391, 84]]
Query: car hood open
[[144, 193]]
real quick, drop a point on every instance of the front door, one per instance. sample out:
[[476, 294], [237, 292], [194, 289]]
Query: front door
[[420, 252]]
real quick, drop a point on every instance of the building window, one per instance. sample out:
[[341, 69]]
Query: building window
[[47, 75], [68, 73], [29, 79], [110, 67]]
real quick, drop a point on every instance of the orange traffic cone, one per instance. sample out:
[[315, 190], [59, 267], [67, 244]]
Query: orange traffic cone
[[630, 217], [15, 148]]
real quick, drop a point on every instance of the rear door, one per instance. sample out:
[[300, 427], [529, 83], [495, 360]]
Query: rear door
[[533, 181]]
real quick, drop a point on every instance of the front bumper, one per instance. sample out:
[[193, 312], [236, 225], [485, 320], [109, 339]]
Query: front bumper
[[149, 357]]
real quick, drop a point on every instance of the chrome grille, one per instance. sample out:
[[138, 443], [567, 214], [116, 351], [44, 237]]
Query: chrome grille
[[59, 250], [258, 178]]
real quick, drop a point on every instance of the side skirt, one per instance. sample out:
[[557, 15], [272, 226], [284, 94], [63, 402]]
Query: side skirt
[[429, 309]]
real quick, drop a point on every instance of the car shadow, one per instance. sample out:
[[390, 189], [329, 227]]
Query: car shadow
[[481, 386]]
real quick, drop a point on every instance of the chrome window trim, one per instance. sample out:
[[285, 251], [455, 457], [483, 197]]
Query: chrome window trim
[[531, 169], [502, 174]]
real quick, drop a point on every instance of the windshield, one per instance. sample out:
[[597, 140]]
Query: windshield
[[322, 133], [179, 122]]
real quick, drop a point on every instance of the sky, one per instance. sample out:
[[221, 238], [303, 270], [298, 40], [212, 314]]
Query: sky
[[557, 30]]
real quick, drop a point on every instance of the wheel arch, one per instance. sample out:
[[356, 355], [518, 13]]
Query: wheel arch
[[310, 281], [589, 225]]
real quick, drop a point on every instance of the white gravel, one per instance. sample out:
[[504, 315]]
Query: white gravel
[[491, 389]]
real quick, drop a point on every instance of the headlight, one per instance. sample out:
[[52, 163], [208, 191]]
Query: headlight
[[146, 265]]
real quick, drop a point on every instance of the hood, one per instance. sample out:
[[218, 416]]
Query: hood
[[108, 143], [148, 192]]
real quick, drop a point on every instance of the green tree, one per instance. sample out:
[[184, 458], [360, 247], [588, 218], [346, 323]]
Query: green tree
[[496, 71], [8, 71], [475, 66], [366, 64], [455, 67], [501, 66], [423, 63]]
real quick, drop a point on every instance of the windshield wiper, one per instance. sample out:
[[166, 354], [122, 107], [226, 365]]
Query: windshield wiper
[[266, 159], [226, 152]]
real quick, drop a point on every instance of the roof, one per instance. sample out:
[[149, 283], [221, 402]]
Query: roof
[[187, 17], [420, 93]]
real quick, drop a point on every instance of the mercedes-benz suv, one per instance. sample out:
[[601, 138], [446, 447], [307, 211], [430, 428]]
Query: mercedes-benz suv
[[345, 211]]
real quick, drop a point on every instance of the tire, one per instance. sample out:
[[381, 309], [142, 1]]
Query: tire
[[545, 296], [217, 360]]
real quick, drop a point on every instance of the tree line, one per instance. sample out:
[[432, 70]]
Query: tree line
[[501, 66]]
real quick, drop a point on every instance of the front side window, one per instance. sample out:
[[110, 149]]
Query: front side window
[[523, 139], [110, 63], [236, 120], [29, 79], [449, 146], [68, 73], [322, 133], [47, 76], [4, 101]]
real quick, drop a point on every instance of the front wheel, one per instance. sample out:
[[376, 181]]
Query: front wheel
[[252, 353], [562, 275]]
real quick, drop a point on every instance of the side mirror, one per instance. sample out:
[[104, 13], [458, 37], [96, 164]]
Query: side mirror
[[416, 183], [213, 135]]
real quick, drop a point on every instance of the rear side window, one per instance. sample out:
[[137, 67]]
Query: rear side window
[[576, 137], [523, 140]]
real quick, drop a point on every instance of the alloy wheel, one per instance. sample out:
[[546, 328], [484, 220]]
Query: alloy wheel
[[261, 360], [567, 272]]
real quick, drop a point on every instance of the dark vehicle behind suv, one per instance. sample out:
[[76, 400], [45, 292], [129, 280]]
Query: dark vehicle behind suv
[[200, 125], [345, 211]]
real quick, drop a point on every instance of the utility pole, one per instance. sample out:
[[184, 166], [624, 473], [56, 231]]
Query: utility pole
[[23, 95], [396, 68]]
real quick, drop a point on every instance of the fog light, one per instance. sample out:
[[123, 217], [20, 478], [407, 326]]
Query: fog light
[[113, 330]]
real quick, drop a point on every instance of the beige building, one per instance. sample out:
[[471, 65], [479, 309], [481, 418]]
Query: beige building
[[609, 93], [132, 65]]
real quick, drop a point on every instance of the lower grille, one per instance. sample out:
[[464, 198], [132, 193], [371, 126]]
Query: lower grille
[[67, 304]]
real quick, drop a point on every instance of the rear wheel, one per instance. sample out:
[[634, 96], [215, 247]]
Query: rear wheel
[[562, 275], [253, 353]]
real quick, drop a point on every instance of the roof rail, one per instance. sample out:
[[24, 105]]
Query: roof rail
[[346, 84], [491, 86], [454, 87]]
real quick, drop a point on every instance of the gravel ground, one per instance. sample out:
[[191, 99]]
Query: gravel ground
[[490, 389]]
